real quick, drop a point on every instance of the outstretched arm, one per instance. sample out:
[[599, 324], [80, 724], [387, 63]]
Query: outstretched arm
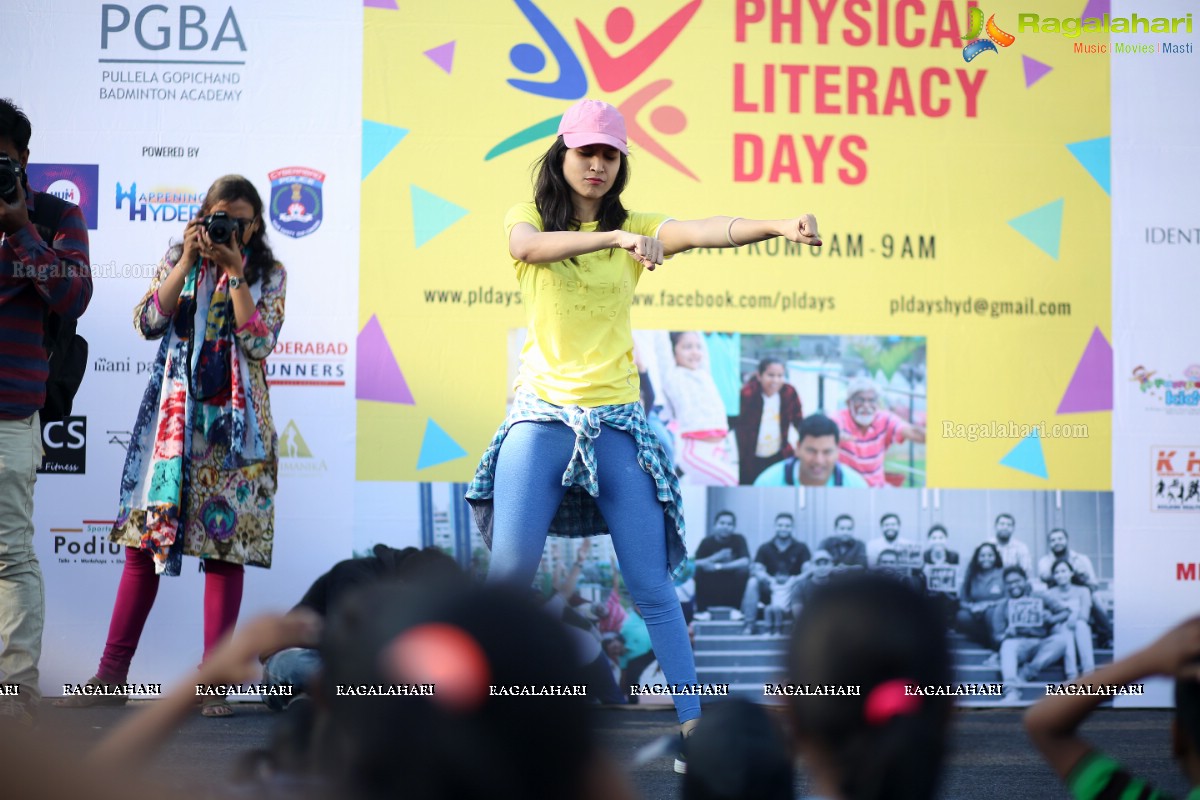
[[1053, 723], [680, 235], [526, 243], [234, 661], [914, 433]]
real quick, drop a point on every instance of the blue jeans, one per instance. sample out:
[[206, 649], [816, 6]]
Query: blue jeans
[[528, 491], [296, 666]]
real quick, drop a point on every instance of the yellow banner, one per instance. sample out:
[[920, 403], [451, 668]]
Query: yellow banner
[[958, 169]]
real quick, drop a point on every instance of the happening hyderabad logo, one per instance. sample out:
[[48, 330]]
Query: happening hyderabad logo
[[567, 80], [76, 183], [160, 204], [295, 206], [975, 26]]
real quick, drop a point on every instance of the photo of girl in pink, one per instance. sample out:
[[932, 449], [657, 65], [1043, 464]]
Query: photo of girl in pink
[[701, 427]]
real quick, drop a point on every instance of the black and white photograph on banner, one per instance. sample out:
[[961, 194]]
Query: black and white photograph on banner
[[1024, 579]]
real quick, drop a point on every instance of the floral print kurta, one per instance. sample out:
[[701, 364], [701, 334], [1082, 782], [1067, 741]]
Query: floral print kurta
[[228, 513]]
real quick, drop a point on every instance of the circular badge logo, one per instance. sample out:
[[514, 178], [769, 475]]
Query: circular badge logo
[[64, 190]]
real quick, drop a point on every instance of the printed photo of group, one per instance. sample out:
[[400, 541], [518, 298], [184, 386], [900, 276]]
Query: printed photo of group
[[782, 409], [1023, 578]]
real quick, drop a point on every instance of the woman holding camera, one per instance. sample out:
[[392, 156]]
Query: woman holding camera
[[200, 472]]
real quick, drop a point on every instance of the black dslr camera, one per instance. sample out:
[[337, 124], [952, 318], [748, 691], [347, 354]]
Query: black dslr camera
[[11, 176], [221, 228]]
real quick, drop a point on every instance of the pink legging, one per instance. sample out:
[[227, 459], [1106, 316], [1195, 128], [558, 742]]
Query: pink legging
[[135, 598]]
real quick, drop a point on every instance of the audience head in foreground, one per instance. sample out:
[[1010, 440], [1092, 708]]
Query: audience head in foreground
[[465, 740], [738, 751], [887, 742]]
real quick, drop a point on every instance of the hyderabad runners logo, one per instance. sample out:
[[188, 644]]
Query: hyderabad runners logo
[[975, 45]]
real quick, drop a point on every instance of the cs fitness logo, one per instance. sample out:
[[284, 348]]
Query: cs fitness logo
[[612, 73], [995, 36]]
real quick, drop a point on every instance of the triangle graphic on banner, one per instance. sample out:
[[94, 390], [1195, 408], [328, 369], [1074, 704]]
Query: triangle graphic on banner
[[388, 5], [442, 55], [432, 215], [1042, 227], [378, 140], [1027, 456], [437, 447], [1097, 8], [1034, 70], [377, 375], [1094, 155], [1091, 387]]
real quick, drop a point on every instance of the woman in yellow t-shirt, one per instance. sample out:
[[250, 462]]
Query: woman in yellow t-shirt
[[575, 456]]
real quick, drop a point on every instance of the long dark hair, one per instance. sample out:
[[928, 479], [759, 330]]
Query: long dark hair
[[552, 195], [867, 630], [973, 564], [1069, 566], [229, 189]]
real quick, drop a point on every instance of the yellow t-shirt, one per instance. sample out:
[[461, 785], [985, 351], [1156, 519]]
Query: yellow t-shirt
[[579, 345]]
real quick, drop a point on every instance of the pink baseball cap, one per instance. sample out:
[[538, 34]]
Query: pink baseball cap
[[593, 122]]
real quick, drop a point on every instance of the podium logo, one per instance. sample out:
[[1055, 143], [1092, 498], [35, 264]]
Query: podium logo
[[976, 45], [1185, 571]]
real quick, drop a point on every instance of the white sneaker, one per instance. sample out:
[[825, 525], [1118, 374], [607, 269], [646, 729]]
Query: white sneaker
[[703, 616], [681, 756], [736, 615]]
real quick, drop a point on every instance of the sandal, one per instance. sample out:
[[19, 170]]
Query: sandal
[[215, 706], [90, 698]]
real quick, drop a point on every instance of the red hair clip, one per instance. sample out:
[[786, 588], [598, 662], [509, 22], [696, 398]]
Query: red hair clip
[[890, 699], [444, 656]]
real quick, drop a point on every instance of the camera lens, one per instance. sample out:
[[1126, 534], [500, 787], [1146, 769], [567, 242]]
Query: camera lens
[[220, 228], [9, 180]]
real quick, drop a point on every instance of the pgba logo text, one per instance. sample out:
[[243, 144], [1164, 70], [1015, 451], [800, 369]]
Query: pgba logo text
[[192, 35]]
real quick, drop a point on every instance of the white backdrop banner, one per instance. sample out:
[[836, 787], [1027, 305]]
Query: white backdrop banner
[[136, 109], [1156, 398]]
